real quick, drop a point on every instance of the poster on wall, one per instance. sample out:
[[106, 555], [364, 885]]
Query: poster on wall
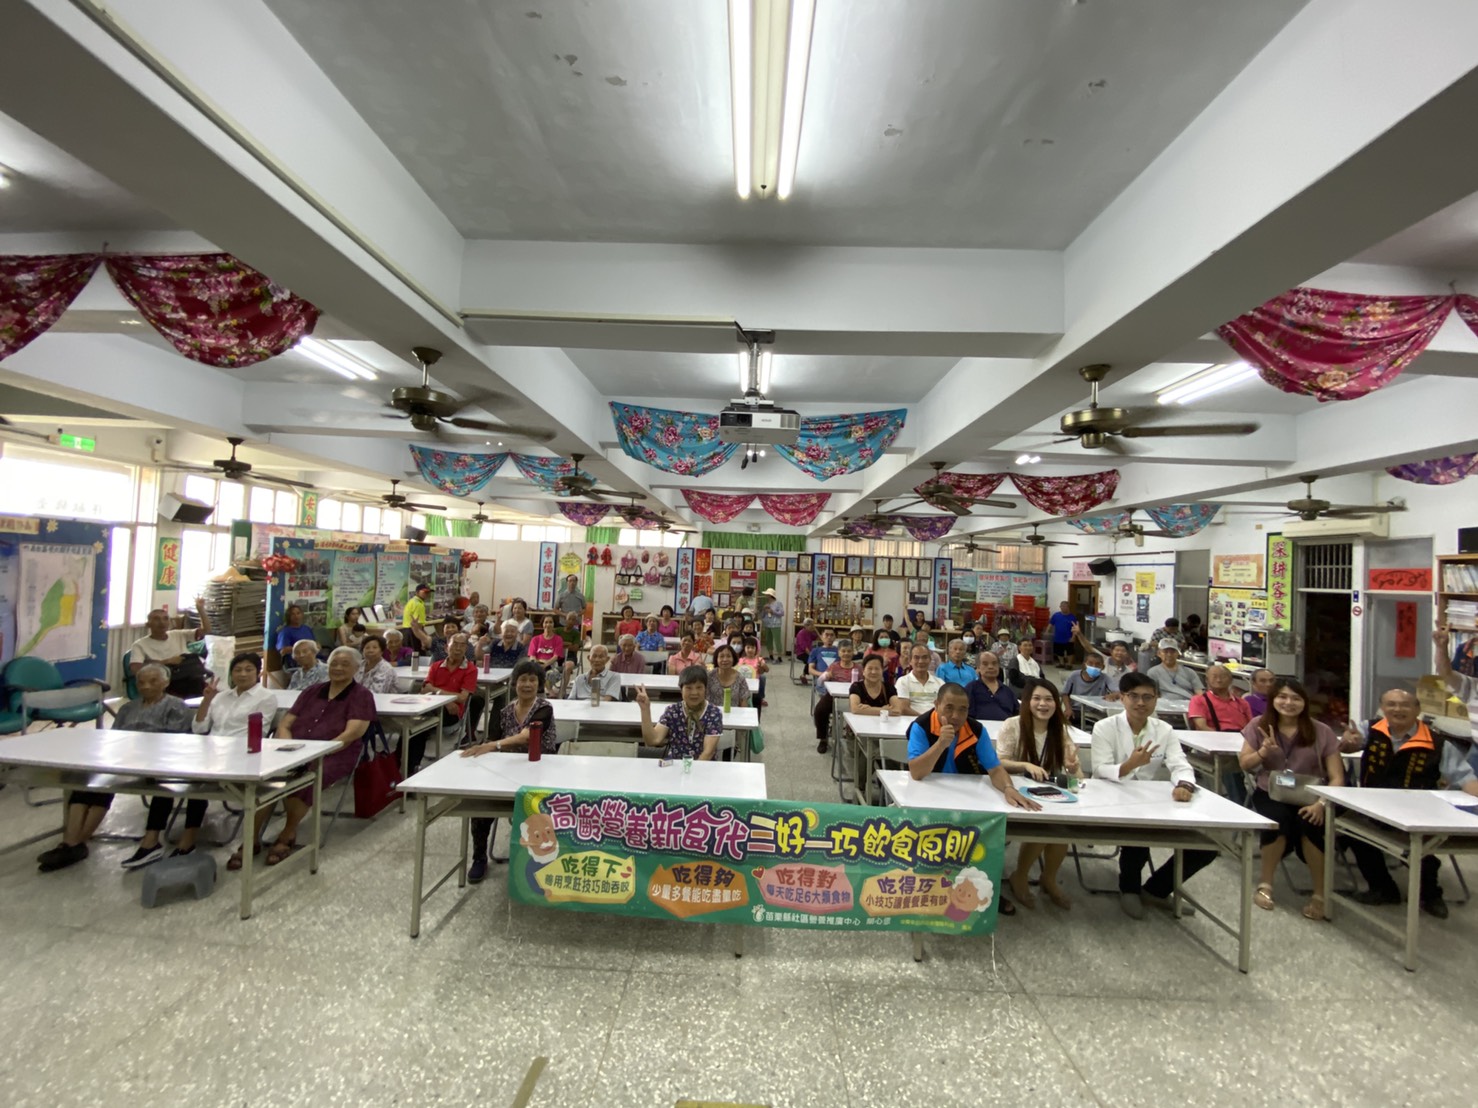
[[943, 568], [1029, 585], [820, 576], [548, 578], [448, 583], [993, 588], [53, 594], [352, 581], [308, 508], [761, 863], [392, 577], [1230, 610], [423, 568], [1280, 583], [1237, 571], [309, 586]]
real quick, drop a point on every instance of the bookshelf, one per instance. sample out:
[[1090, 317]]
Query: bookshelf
[[1457, 607]]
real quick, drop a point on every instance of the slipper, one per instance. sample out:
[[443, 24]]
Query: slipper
[[1314, 909], [1006, 908], [234, 862], [280, 852], [1263, 898]]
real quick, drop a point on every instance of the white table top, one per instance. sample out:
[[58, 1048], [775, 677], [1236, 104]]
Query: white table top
[[1409, 810], [876, 727], [1167, 706], [629, 712], [501, 775], [168, 756], [386, 704], [665, 681], [839, 689], [1120, 803], [1211, 742], [495, 676]]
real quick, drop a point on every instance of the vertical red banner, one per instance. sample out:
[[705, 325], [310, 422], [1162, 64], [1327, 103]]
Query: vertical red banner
[[1406, 629]]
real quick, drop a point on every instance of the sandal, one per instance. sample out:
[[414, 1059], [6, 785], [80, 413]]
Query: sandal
[[1263, 898], [1006, 908], [234, 862], [1057, 896], [1314, 909], [280, 852], [1022, 893]]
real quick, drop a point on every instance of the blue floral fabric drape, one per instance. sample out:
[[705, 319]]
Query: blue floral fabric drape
[[1100, 525], [458, 474], [832, 446], [1180, 520], [677, 442], [543, 471]]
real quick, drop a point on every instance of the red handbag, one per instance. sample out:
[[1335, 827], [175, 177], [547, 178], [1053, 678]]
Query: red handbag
[[375, 778]]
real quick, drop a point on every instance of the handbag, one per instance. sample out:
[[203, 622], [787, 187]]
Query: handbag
[[375, 777], [756, 741], [1293, 788]]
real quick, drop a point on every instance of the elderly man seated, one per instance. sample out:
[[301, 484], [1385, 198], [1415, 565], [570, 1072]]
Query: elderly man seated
[[456, 675], [600, 677], [167, 647], [339, 710], [154, 710], [1172, 678], [308, 668], [1401, 752], [629, 659], [1220, 708]]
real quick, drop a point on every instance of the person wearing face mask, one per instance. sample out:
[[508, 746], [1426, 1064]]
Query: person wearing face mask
[[955, 668], [1088, 681], [885, 646]]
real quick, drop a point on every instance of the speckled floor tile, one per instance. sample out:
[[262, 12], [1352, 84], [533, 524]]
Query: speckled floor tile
[[680, 1036], [906, 1046]]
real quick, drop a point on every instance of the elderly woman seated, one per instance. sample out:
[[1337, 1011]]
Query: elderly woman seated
[[339, 710], [154, 710], [628, 659], [308, 668], [396, 652]]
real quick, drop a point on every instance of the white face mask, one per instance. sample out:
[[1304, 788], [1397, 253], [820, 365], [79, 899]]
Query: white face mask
[[969, 639]]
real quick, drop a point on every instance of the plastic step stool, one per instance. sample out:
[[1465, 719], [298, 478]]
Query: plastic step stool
[[197, 869]]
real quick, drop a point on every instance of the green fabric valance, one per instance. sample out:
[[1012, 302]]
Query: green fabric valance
[[746, 540]]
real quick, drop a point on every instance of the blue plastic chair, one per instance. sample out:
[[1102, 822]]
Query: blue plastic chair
[[35, 690]]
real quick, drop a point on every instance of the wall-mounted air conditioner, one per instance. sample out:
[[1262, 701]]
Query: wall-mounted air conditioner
[[1377, 526]]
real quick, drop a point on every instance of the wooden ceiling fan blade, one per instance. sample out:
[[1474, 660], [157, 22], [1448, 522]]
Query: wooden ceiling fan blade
[[532, 434], [1178, 430], [278, 480]]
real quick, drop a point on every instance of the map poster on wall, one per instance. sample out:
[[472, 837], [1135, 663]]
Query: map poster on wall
[[1280, 583], [353, 579], [53, 613], [392, 573], [1237, 571]]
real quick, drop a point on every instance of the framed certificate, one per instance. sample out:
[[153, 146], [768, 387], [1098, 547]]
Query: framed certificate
[[749, 561]]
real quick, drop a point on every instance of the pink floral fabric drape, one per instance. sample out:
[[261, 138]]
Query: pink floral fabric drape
[[977, 486], [213, 308], [1437, 471], [1067, 496], [794, 509], [717, 507], [35, 289], [1339, 345]]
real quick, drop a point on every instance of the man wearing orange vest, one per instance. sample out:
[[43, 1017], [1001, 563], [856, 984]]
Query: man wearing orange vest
[[1400, 753]]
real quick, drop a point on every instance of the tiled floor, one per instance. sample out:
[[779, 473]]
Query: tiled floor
[[322, 999]]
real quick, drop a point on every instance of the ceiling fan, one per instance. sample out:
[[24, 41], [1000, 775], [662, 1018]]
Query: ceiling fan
[[1128, 529], [936, 492], [1309, 507], [579, 485], [970, 546], [431, 411], [1034, 539], [392, 500], [233, 469], [1101, 428]]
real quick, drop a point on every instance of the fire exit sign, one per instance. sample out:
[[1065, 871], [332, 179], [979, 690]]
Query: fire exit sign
[[76, 442]]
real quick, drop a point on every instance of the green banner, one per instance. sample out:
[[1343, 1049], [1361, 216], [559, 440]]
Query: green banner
[[769, 863]]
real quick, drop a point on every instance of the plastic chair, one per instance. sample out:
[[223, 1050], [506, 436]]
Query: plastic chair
[[34, 688], [602, 749]]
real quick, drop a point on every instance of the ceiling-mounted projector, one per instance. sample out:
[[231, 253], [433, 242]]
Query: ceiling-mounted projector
[[758, 421]]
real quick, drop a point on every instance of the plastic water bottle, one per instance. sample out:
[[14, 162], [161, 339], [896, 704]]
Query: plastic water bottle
[[687, 763], [415, 662], [594, 695], [728, 699]]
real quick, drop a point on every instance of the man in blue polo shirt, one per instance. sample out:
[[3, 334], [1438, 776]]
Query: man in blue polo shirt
[[1063, 627], [956, 669], [947, 740]]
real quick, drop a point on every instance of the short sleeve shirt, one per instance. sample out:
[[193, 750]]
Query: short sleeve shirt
[[301, 679], [510, 724], [920, 739], [316, 715], [1229, 714], [859, 690], [738, 692], [921, 694], [444, 679], [415, 609], [150, 649], [168, 714], [1062, 626], [1306, 761], [287, 637], [685, 736]]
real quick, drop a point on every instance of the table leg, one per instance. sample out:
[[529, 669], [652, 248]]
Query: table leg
[[317, 815], [419, 868], [441, 731], [1179, 872], [1329, 837], [405, 755], [1413, 899], [466, 836], [918, 946], [1244, 923], [248, 845], [738, 940]]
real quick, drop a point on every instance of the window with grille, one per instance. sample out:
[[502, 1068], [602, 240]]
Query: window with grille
[[880, 548], [1325, 567]]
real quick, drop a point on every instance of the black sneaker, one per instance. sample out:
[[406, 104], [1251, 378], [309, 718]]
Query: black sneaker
[[1436, 907], [822, 747], [477, 871], [1378, 896], [143, 856], [180, 852], [60, 857]]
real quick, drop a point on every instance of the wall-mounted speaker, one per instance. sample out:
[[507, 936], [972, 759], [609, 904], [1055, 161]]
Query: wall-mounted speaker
[[181, 509], [1101, 567], [413, 534]]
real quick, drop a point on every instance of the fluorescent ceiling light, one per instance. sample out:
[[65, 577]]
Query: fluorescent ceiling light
[[332, 357], [1027, 459], [1205, 382], [763, 382], [769, 58]]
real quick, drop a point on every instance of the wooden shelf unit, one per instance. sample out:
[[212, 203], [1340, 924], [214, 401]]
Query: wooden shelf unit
[[1469, 563]]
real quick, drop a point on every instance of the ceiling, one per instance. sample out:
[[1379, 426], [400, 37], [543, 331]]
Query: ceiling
[[950, 123], [1024, 187]]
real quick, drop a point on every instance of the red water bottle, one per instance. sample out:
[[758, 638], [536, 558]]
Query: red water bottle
[[254, 733], [487, 662], [536, 741]]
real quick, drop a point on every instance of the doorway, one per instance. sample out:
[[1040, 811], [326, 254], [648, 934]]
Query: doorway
[[1325, 659], [1082, 599]]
